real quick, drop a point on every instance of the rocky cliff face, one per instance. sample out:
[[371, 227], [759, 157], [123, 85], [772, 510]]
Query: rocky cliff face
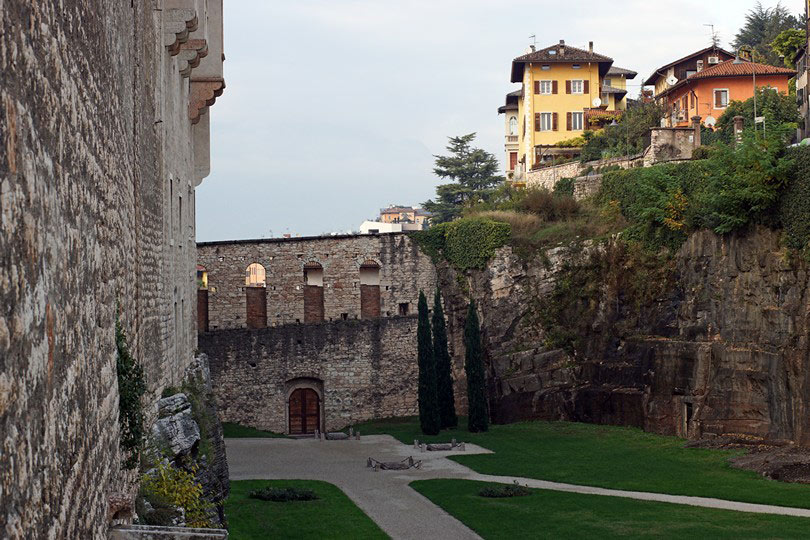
[[714, 342]]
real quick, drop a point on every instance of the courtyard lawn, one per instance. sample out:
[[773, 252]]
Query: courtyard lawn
[[237, 431], [551, 514], [334, 515], [605, 456]]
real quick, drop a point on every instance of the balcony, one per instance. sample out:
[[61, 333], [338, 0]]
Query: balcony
[[511, 138]]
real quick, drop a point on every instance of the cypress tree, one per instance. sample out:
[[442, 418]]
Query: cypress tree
[[474, 366], [444, 377], [428, 403]]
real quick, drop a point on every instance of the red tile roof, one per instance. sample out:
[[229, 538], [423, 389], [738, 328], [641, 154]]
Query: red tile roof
[[560, 53], [658, 72], [730, 69]]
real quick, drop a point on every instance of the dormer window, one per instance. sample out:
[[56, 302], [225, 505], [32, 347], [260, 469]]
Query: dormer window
[[552, 52], [546, 67], [576, 66]]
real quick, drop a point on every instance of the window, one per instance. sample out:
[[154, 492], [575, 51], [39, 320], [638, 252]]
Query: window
[[546, 67], [576, 87], [546, 120], [255, 275], [576, 121], [546, 87], [576, 66], [608, 82], [605, 99], [403, 309], [721, 98], [513, 125]]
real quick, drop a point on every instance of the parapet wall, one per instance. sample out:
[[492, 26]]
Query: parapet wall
[[403, 271]]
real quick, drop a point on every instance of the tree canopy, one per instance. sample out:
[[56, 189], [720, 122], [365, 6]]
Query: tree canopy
[[778, 109], [474, 175], [788, 43], [629, 136], [761, 28]]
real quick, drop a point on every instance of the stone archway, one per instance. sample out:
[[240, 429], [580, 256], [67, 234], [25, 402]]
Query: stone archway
[[304, 406]]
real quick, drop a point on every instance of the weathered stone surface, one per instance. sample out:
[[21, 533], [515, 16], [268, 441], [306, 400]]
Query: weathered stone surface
[[362, 369], [178, 433], [97, 174], [725, 352], [171, 405]]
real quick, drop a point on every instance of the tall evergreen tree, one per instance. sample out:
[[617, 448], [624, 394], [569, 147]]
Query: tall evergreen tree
[[478, 418], [444, 377], [428, 402], [474, 173], [762, 26]]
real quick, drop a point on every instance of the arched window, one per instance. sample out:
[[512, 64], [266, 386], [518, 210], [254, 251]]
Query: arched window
[[513, 125], [313, 292], [369, 290], [202, 299], [255, 276], [255, 296]]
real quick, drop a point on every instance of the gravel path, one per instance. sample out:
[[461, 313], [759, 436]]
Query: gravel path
[[386, 497]]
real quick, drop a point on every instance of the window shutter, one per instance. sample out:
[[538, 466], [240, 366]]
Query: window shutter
[[537, 121], [536, 87], [567, 87], [554, 121], [554, 86], [568, 122], [586, 87], [717, 102]]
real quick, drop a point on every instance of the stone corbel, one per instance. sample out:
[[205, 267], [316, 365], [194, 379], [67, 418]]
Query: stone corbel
[[204, 92], [177, 24], [191, 52]]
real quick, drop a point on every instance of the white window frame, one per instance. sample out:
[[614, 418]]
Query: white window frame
[[513, 123], [581, 86], [546, 85], [574, 116], [550, 117], [714, 98]]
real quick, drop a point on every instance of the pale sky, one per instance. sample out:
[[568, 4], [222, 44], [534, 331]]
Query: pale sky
[[334, 108]]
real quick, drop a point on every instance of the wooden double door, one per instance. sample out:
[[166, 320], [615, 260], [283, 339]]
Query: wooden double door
[[305, 411]]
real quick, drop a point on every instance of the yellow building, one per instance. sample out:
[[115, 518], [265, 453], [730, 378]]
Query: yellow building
[[564, 93]]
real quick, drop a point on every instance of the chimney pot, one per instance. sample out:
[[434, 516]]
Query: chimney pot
[[562, 42], [590, 46]]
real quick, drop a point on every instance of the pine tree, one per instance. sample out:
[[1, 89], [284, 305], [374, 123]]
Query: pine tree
[[478, 419], [428, 402], [444, 377]]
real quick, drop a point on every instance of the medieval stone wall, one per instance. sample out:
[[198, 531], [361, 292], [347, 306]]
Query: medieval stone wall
[[361, 370], [403, 271], [95, 125]]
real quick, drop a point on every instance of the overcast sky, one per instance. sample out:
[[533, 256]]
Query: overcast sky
[[334, 108]]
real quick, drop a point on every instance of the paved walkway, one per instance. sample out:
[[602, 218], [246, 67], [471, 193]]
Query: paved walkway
[[386, 497]]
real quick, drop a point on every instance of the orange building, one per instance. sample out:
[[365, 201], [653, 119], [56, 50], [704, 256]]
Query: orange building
[[708, 92]]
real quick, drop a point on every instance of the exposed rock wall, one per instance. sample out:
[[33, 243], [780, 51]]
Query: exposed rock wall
[[724, 350], [97, 154]]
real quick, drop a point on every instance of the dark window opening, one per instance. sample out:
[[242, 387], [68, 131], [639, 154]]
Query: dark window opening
[[403, 309]]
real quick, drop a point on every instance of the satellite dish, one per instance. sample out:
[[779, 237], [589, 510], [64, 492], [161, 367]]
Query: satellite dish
[[710, 121], [672, 80], [597, 102]]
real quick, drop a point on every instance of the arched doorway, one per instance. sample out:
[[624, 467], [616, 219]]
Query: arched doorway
[[305, 411]]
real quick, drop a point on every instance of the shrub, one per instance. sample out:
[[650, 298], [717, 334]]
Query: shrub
[[287, 494], [131, 388], [548, 206], [521, 224], [564, 187], [794, 206], [501, 492], [179, 488]]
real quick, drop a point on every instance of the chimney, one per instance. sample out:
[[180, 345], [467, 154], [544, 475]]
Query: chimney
[[590, 47], [531, 47], [562, 47]]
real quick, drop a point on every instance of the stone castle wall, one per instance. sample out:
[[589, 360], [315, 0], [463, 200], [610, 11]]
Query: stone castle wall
[[362, 370], [99, 157], [404, 271], [361, 357]]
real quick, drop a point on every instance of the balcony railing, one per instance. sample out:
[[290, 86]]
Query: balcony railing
[[511, 138]]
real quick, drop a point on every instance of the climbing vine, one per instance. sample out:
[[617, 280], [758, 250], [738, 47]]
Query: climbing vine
[[131, 388], [465, 243]]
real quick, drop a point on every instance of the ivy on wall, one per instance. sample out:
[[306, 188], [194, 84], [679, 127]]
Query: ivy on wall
[[467, 243], [794, 206], [131, 388]]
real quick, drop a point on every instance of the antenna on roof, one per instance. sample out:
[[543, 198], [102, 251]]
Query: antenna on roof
[[715, 36], [533, 37]]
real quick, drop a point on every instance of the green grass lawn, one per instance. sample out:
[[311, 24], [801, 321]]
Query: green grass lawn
[[552, 514], [334, 515], [606, 456], [237, 431]]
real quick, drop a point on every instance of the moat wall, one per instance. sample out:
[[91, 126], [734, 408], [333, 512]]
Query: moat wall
[[724, 350]]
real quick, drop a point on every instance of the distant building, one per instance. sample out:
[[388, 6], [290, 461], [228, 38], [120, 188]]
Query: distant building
[[397, 219], [379, 227], [510, 110], [565, 91], [684, 67]]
